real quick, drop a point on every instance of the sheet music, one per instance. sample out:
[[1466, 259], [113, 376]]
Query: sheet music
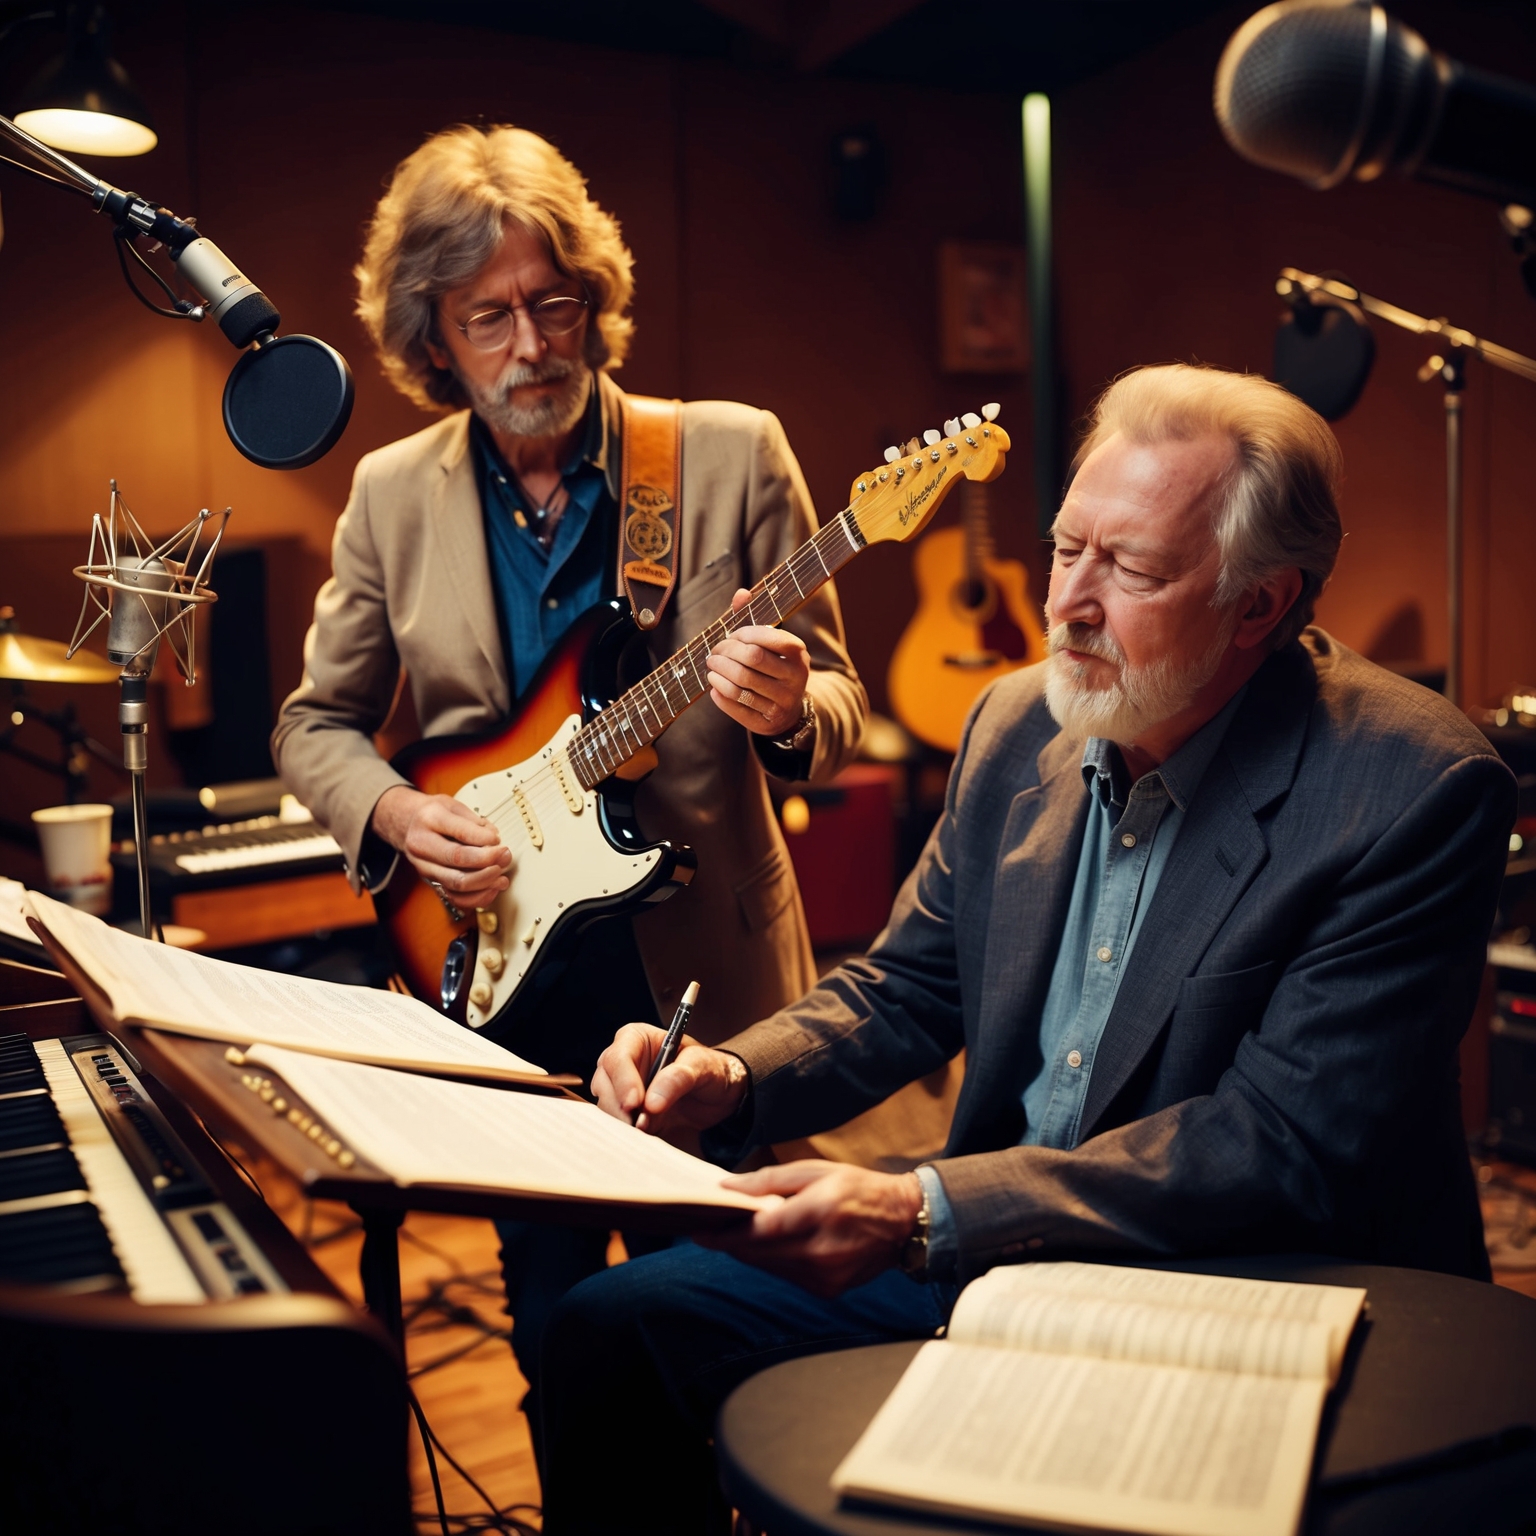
[[13, 922], [216, 1000], [423, 1130]]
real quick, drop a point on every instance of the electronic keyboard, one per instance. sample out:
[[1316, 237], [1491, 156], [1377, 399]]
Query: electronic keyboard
[[97, 1191]]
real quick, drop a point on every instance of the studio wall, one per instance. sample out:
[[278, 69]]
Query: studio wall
[[279, 126]]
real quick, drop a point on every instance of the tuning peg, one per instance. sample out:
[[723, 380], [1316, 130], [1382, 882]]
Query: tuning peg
[[970, 421], [990, 411], [952, 427], [892, 454], [930, 437], [911, 446]]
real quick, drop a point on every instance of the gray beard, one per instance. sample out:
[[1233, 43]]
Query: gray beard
[[555, 414], [1136, 701]]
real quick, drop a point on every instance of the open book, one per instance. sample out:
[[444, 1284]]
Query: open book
[[422, 1130], [1095, 1396], [172, 989]]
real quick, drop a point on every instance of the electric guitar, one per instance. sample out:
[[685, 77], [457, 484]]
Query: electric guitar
[[558, 778], [974, 622]]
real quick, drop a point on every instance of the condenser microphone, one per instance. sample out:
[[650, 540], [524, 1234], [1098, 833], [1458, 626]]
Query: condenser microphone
[[140, 605], [1328, 89]]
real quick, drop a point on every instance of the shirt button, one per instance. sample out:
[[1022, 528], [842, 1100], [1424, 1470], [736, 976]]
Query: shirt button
[[1074, 1058], [552, 602], [1105, 953], [1127, 839]]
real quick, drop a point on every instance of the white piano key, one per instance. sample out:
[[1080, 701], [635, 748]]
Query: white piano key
[[156, 1269], [318, 846]]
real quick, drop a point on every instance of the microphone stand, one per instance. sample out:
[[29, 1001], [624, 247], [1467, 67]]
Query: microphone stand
[[145, 591], [1450, 369], [133, 716]]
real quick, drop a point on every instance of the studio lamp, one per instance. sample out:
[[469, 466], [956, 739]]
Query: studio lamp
[[83, 101]]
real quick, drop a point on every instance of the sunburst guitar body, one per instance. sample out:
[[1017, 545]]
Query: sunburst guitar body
[[974, 622], [558, 778]]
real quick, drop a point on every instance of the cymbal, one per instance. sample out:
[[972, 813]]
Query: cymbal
[[27, 659]]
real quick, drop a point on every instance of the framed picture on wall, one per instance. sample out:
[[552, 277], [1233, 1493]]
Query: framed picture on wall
[[983, 313]]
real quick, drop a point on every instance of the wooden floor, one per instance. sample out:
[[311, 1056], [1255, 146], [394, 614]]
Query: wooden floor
[[462, 1367], [457, 1352]]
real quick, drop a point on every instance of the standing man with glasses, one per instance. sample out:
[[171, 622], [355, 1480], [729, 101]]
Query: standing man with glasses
[[496, 290]]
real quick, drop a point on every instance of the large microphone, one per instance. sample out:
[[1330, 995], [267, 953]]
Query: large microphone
[[1327, 89]]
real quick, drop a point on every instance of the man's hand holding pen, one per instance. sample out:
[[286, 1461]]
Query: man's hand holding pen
[[834, 1226], [699, 1089]]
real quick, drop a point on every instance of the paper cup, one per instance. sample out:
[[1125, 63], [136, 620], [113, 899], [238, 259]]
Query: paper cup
[[77, 843]]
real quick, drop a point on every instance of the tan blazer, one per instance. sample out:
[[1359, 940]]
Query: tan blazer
[[412, 590]]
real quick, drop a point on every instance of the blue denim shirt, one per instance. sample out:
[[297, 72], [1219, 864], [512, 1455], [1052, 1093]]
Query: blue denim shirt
[[540, 593], [1130, 831]]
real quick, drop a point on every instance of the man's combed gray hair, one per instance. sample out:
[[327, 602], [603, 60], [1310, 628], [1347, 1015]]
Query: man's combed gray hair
[[1277, 508], [443, 217]]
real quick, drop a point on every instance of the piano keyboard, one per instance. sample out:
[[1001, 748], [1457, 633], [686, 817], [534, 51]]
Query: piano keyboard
[[235, 853], [316, 845], [96, 1190]]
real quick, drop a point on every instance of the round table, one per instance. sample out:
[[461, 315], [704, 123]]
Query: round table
[[1436, 1363]]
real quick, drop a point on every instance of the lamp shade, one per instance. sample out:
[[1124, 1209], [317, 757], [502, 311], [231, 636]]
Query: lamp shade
[[84, 104]]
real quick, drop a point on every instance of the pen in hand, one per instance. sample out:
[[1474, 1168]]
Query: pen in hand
[[670, 1042]]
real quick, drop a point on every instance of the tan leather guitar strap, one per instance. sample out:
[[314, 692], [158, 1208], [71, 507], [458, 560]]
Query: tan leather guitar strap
[[650, 514]]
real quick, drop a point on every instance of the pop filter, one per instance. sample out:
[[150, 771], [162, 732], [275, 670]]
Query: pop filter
[[1323, 352], [287, 401]]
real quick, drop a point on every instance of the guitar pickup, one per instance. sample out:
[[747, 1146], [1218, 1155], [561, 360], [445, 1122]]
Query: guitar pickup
[[558, 764], [530, 821]]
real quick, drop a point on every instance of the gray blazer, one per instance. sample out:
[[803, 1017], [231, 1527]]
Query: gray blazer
[[1279, 1071]]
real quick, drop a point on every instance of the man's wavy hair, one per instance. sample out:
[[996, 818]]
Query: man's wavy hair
[[443, 217], [1277, 507]]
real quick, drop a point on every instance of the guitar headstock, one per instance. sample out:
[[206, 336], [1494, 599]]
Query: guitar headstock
[[896, 500]]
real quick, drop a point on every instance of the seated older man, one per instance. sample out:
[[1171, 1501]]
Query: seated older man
[[1206, 909]]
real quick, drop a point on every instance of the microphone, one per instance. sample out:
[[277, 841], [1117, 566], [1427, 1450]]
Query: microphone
[[1324, 349], [144, 590], [289, 398], [1328, 89], [139, 609]]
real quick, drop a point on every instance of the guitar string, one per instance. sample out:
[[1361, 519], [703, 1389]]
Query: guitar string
[[597, 749], [620, 715]]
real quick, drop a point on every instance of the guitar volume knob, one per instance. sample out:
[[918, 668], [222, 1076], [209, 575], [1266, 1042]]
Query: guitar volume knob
[[491, 959], [480, 994]]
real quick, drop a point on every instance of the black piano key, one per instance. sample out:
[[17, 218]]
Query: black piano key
[[68, 1243], [19, 1067], [29, 1122], [39, 1173]]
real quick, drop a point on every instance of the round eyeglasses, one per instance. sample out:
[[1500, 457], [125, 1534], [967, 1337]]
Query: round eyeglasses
[[491, 329]]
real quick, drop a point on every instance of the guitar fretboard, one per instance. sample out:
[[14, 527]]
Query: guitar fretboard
[[636, 718]]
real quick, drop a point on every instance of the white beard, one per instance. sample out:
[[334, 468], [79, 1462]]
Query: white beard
[[549, 417], [1138, 699]]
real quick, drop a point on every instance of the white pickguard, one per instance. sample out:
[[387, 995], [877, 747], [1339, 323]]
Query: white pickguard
[[560, 858]]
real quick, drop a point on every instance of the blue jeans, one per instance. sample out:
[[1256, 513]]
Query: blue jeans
[[638, 1359]]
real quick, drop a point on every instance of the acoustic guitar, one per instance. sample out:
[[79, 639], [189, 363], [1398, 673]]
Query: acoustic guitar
[[974, 622], [558, 777]]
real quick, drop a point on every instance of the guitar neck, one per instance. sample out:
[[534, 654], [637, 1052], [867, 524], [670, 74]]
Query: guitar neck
[[637, 717], [978, 530]]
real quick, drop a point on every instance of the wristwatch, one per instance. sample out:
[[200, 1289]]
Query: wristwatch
[[913, 1259], [801, 736]]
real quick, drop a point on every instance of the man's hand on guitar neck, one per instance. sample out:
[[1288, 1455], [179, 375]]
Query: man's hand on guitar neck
[[446, 842], [758, 675]]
